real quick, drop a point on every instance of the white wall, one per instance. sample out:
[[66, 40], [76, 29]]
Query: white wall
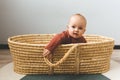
[[51, 16]]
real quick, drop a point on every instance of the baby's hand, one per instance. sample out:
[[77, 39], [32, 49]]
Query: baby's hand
[[46, 52]]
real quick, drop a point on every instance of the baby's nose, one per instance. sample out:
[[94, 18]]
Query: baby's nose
[[76, 29]]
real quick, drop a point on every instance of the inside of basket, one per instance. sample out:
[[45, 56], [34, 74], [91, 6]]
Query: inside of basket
[[44, 39]]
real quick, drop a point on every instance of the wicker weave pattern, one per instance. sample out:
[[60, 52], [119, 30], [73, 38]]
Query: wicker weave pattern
[[91, 57]]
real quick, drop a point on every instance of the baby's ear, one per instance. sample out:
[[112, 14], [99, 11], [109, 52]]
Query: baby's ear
[[67, 26], [84, 30]]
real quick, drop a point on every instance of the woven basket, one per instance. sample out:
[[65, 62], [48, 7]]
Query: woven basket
[[90, 58]]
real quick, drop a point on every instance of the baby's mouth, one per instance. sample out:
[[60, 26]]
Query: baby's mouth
[[75, 34]]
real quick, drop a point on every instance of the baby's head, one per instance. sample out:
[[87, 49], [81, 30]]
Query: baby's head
[[76, 25]]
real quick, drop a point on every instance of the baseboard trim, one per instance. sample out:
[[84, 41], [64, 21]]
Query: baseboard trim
[[117, 47], [5, 46]]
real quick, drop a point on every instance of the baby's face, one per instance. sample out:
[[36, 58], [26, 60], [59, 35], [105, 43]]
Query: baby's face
[[76, 26]]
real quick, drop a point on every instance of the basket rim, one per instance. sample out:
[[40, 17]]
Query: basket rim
[[10, 41]]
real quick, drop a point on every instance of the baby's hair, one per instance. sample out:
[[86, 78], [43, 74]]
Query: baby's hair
[[80, 15]]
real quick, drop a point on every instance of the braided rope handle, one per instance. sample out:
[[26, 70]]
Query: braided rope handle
[[62, 59]]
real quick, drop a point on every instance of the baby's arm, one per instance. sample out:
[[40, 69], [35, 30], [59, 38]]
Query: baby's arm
[[52, 45]]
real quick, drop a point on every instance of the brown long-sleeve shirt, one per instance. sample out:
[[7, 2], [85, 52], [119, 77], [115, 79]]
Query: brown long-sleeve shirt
[[63, 38]]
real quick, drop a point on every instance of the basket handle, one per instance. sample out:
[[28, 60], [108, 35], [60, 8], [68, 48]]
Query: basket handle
[[62, 59]]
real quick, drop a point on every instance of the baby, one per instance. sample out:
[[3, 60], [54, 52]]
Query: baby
[[74, 34]]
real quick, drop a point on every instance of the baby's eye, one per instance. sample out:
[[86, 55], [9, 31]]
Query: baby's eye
[[73, 26], [80, 28]]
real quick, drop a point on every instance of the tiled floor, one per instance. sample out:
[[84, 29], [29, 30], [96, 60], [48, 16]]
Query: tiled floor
[[5, 56]]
